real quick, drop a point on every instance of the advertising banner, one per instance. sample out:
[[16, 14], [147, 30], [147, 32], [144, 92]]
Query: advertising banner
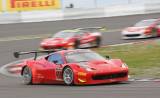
[[28, 5], [0, 5]]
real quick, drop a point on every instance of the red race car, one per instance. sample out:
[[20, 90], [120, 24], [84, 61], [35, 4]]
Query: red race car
[[76, 38], [79, 67], [143, 29]]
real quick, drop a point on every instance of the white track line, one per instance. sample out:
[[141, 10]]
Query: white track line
[[26, 37], [130, 43]]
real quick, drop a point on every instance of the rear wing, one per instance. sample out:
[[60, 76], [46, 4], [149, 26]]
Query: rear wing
[[17, 54], [93, 28]]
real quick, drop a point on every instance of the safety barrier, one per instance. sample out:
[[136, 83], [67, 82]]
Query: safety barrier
[[152, 7], [83, 13], [13, 17], [37, 16], [65, 14]]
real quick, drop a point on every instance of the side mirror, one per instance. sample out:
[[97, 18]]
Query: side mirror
[[16, 54], [107, 57]]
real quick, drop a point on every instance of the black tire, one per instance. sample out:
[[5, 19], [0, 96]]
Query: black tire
[[27, 75], [76, 44], [98, 42], [68, 76], [154, 32]]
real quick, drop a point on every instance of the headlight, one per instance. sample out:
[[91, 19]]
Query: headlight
[[65, 41], [43, 43], [70, 44], [124, 65], [86, 67]]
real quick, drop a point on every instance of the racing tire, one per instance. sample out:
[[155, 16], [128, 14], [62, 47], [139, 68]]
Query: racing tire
[[76, 44], [154, 32], [27, 75], [97, 42], [68, 76]]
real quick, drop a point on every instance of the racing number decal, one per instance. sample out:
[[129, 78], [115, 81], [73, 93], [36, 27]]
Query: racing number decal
[[58, 73]]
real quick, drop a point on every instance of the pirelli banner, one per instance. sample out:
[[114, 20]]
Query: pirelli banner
[[0, 5], [28, 5]]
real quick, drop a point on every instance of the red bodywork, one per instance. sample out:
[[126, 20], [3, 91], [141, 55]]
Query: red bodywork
[[103, 71], [55, 43]]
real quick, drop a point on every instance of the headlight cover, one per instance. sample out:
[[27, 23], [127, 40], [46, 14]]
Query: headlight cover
[[124, 65], [86, 67], [64, 41]]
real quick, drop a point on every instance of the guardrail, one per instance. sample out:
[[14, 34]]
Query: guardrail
[[38, 16], [152, 7], [10, 18], [65, 14]]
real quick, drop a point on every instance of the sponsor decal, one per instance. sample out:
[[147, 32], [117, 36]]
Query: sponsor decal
[[59, 74], [82, 74], [1, 6], [28, 5]]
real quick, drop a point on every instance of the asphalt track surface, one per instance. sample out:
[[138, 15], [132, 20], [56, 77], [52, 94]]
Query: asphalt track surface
[[11, 87]]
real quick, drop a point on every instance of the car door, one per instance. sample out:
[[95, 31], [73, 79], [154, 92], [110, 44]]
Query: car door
[[57, 61], [86, 37], [46, 70], [158, 28]]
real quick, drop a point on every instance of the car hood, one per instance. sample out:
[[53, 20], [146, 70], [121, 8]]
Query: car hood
[[101, 66]]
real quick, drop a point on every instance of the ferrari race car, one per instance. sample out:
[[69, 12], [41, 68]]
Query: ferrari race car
[[79, 67], [75, 38], [143, 29]]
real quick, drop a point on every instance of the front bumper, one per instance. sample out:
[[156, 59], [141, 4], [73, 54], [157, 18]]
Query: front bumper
[[101, 78], [135, 35]]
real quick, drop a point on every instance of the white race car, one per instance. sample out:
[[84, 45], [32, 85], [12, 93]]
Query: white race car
[[143, 29]]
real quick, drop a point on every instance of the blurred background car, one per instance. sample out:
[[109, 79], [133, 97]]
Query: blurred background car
[[76, 38], [142, 29]]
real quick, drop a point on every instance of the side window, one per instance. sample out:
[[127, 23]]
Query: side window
[[81, 33], [56, 57]]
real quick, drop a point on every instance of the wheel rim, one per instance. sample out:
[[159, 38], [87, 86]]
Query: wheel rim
[[68, 76], [27, 75]]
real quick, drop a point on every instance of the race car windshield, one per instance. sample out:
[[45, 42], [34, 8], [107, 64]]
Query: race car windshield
[[77, 57], [64, 34], [90, 30], [145, 23]]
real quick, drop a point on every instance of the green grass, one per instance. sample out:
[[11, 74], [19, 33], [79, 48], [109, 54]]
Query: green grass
[[143, 59]]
